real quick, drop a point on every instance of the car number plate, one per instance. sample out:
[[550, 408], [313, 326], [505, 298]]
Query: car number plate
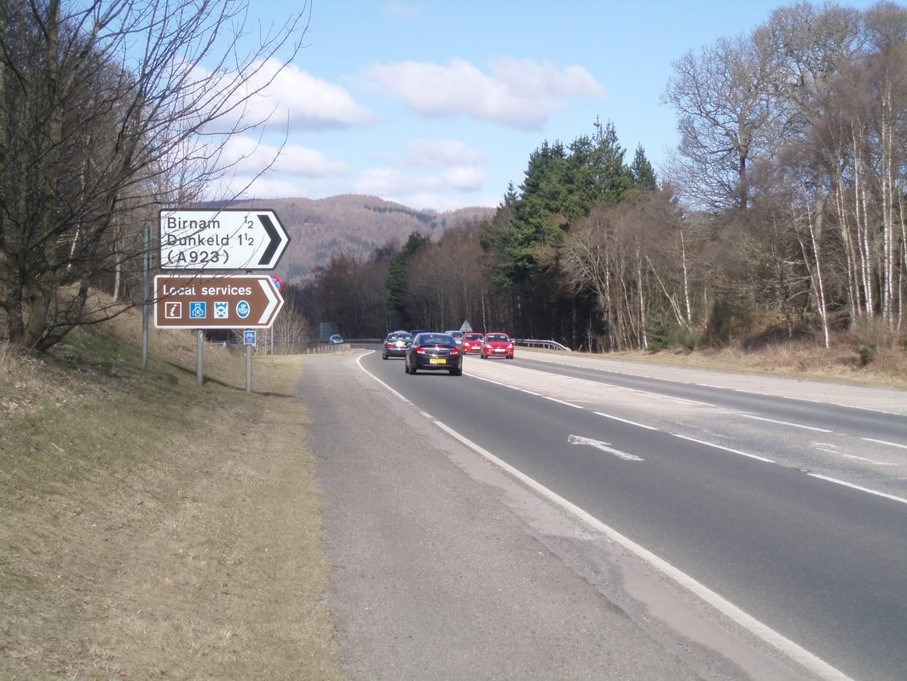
[[437, 360]]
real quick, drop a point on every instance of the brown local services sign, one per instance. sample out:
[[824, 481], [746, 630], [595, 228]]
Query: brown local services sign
[[215, 302]]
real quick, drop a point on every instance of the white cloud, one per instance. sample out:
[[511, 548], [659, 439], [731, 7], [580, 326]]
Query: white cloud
[[284, 97], [516, 93], [267, 171], [249, 157], [391, 181], [436, 152], [402, 10]]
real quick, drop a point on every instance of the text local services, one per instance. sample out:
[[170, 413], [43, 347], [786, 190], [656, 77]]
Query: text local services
[[220, 290]]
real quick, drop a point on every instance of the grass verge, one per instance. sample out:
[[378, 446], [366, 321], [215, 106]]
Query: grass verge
[[152, 527]]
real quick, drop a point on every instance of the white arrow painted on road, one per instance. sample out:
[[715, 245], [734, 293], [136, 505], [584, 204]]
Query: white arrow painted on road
[[604, 446]]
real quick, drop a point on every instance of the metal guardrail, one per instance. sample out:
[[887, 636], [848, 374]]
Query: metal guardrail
[[536, 343]]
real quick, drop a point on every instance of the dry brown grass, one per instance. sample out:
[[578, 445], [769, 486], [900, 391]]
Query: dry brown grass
[[797, 359], [152, 527]]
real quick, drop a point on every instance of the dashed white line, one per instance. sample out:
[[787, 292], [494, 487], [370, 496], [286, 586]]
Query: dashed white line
[[726, 449], [857, 487], [628, 422], [885, 442], [785, 423]]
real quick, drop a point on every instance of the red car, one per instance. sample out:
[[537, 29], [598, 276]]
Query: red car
[[472, 343], [497, 345]]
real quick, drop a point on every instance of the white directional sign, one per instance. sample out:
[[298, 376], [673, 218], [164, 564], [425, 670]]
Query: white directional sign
[[228, 239]]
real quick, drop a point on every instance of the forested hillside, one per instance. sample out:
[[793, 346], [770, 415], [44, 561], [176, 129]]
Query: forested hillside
[[782, 215], [354, 225]]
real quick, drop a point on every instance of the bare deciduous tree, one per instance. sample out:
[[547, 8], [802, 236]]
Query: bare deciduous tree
[[110, 110]]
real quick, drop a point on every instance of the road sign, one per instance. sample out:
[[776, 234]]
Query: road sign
[[249, 337], [215, 302], [228, 239]]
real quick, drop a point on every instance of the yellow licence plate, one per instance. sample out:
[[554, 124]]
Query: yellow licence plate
[[437, 360]]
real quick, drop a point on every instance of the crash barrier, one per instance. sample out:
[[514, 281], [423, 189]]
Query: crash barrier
[[536, 343]]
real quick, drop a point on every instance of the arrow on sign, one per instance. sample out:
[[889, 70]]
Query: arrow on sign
[[275, 240], [274, 300]]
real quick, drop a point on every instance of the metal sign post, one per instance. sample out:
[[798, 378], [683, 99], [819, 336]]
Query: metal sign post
[[250, 340]]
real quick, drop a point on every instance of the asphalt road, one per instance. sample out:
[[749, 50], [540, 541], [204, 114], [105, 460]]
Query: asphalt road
[[543, 519]]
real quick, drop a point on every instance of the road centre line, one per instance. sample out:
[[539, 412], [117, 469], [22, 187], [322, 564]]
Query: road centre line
[[528, 392], [627, 421], [892, 497], [775, 639], [726, 449], [885, 442], [783, 423], [833, 449]]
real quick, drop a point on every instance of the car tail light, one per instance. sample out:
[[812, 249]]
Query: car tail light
[[454, 351], [419, 349]]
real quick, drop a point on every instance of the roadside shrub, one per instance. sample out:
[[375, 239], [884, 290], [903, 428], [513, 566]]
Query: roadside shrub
[[867, 352], [869, 338]]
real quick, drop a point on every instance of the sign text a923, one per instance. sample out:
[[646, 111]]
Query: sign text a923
[[230, 239]]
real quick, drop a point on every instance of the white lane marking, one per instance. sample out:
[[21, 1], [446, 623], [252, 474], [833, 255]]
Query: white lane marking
[[830, 448], [885, 442], [566, 404], [629, 423], [399, 396], [603, 446], [797, 653], [726, 449], [784, 423], [528, 392], [857, 487]]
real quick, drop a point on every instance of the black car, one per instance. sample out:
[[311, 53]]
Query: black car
[[396, 344], [434, 352]]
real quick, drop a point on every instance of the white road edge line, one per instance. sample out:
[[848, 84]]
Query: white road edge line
[[393, 392], [726, 449], [797, 653], [892, 497]]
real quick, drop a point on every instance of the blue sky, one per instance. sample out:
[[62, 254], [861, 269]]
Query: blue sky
[[437, 104]]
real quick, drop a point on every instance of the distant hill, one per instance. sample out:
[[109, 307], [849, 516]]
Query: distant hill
[[353, 224]]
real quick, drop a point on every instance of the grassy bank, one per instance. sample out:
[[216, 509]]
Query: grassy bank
[[154, 528]]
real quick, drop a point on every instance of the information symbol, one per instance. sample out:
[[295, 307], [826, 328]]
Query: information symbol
[[243, 309]]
